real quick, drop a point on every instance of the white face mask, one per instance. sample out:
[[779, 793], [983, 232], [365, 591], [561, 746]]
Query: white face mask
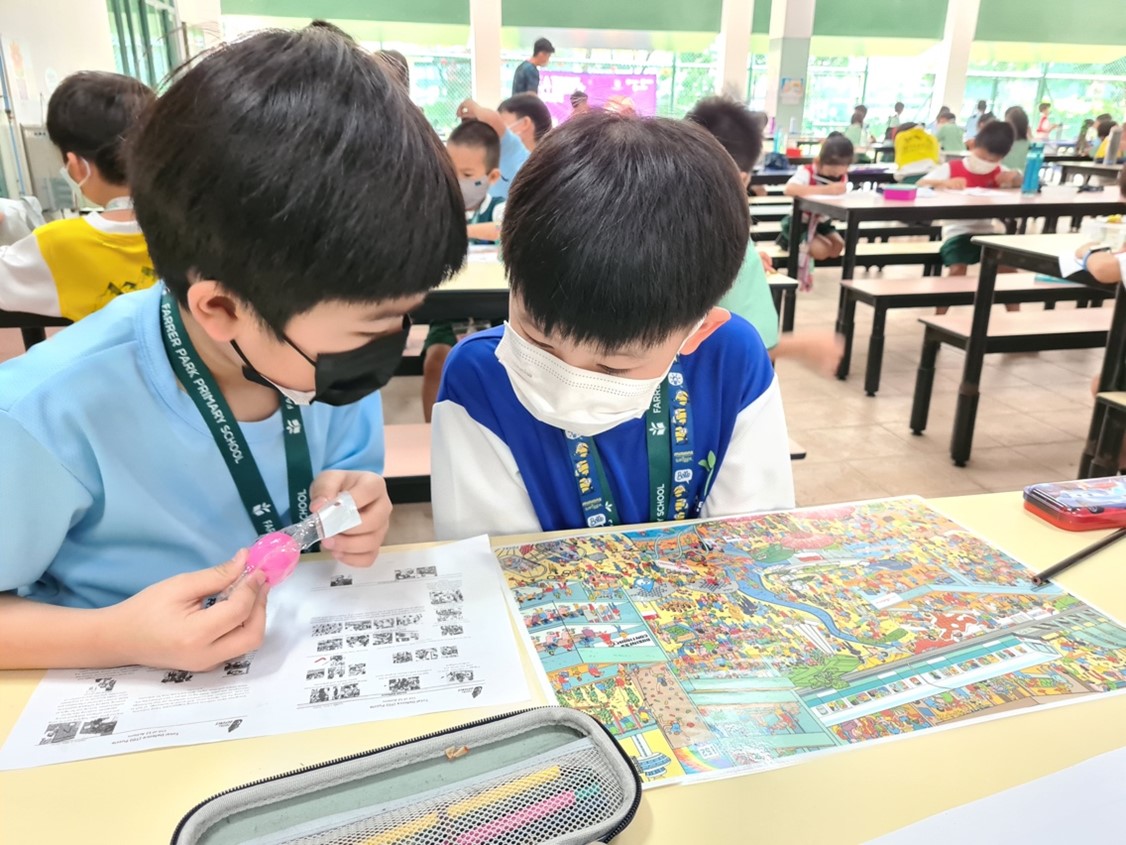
[[473, 191], [979, 166], [562, 396]]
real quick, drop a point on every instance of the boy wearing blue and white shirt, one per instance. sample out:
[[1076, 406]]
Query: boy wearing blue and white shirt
[[617, 393], [151, 440]]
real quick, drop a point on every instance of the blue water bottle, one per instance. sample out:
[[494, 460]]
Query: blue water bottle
[[1032, 165]]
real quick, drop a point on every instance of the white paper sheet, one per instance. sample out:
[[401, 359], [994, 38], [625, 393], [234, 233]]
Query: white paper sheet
[[1080, 804], [418, 632], [1069, 264]]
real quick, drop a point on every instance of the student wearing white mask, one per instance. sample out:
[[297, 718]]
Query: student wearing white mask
[[72, 267], [617, 393], [982, 168]]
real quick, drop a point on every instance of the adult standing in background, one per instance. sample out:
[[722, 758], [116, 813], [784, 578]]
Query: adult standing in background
[[974, 119], [526, 80]]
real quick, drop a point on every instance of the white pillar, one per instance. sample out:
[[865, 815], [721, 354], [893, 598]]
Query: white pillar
[[484, 41], [953, 55], [791, 27], [734, 47]]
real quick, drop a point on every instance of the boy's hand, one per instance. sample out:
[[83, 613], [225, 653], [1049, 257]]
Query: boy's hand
[[767, 262], [837, 188], [468, 109], [955, 184], [166, 625], [1010, 179], [360, 546], [1082, 251]]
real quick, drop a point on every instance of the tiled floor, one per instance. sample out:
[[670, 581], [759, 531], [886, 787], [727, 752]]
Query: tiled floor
[[1031, 423]]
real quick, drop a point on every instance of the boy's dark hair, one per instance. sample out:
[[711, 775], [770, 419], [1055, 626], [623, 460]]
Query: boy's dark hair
[[398, 65], [1018, 119], [91, 114], [594, 247], [328, 26], [836, 150], [982, 105], [986, 118], [733, 126], [578, 98], [903, 127], [1044, 106], [899, 106], [530, 106], [478, 136], [1103, 129], [996, 138], [858, 116], [291, 168], [542, 45]]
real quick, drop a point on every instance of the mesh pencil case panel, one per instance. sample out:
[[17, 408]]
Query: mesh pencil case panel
[[548, 775]]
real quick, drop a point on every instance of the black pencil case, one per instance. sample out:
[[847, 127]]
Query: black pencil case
[[546, 775]]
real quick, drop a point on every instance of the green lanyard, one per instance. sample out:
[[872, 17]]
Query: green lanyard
[[673, 477], [204, 392]]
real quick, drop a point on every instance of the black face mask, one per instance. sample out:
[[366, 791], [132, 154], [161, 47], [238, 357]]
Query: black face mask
[[345, 377]]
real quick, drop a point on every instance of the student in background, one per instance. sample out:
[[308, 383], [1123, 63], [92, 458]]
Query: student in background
[[828, 175], [580, 104], [1083, 139], [155, 437], [526, 80], [1017, 118], [894, 121], [520, 122], [1045, 127], [72, 267], [616, 393], [949, 134], [855, 129], [1102, 132], [475, 153], [982, 168], [398, 66], [740, 134], [974, 120]]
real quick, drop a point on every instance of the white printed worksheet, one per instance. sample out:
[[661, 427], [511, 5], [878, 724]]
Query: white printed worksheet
[[418, 632]]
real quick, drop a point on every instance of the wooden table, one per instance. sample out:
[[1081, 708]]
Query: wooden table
[[138, 798], [1038, 254], [1087, 169], [1052, 203]]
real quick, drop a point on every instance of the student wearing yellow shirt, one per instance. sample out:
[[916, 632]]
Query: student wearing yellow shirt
[[71, 268]]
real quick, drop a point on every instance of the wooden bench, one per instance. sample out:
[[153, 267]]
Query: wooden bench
[[1023, 331], [877, 255], [929, 291], [871, 230], [32, 326], [766, 214], [406, 468]]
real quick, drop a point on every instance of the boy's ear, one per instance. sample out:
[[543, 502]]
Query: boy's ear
[[218, 313], [716, 318], [493, 176], [746, 179]]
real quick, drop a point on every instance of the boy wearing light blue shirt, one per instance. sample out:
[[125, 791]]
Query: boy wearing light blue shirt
[[151, 440]]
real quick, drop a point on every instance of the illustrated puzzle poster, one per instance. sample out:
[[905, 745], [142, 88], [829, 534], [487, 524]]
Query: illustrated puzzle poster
[[725, 647]]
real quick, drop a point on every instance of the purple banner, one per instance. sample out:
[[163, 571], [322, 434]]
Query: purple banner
[[624, 89]]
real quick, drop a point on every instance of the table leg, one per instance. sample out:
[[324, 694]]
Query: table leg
[[846, 326], [924, 384], [965, 415], [789, 309], [776, 295], [852, 238], [876, 352], [32, 336], [795, 239]]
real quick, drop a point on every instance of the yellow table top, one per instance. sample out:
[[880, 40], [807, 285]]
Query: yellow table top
[[847, 796]]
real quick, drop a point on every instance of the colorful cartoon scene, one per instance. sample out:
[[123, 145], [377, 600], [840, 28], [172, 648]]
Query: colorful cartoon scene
[[727, 646]]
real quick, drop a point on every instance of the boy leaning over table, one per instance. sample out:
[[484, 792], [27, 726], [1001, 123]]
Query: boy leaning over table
[[151, 440]]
